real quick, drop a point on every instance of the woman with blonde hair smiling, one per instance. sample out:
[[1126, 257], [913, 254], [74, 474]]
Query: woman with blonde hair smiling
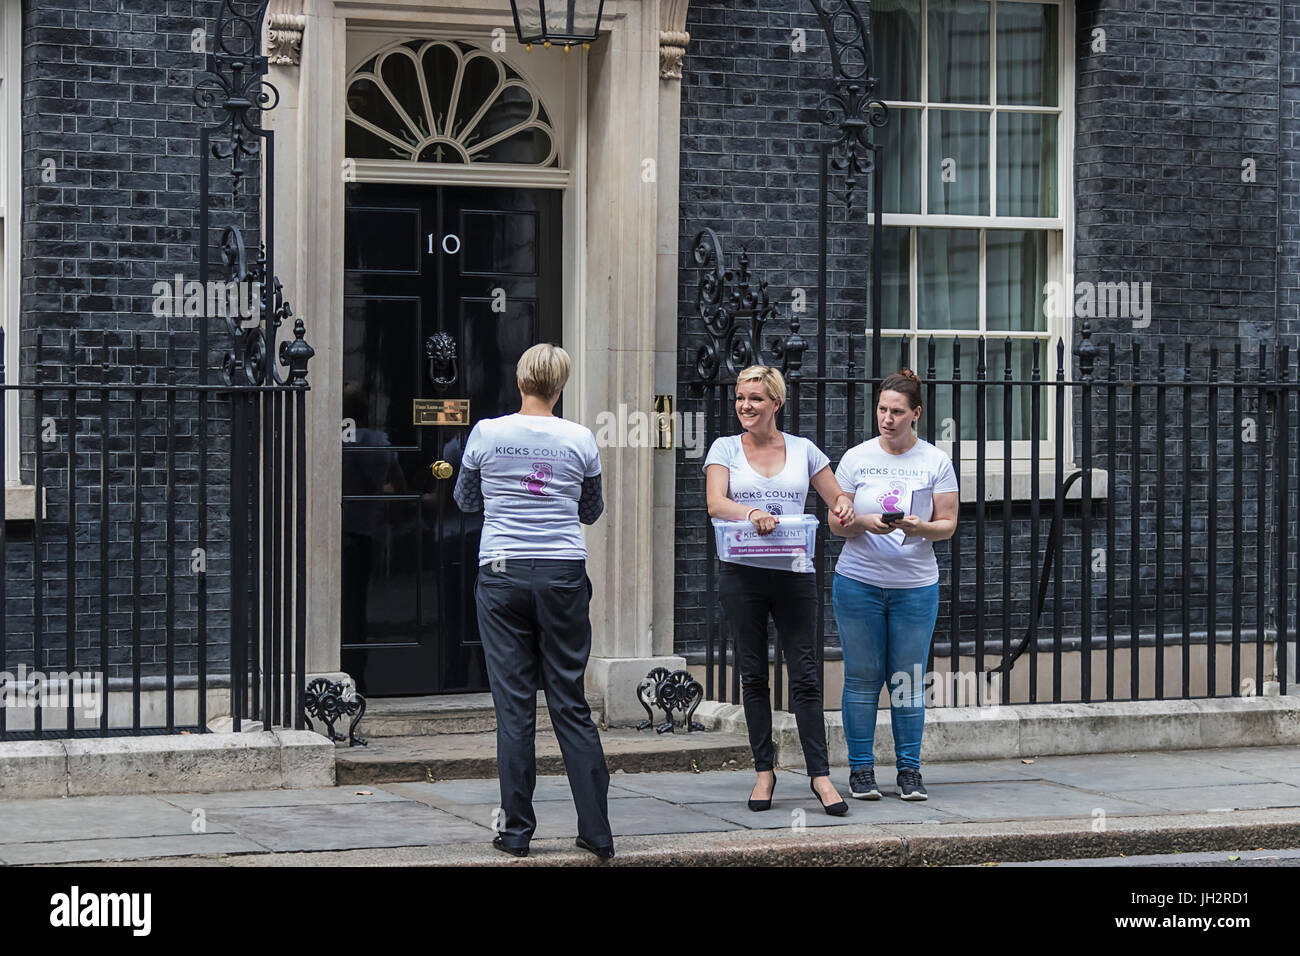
[[758, 476]]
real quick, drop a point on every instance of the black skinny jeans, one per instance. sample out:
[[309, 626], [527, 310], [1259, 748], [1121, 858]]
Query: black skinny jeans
[[748, 595]]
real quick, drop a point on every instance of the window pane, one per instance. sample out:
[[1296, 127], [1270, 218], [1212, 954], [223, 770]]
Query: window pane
[[958, 36], [1027, 54], [901, 140], [1022, 358], [959, 162], [896, 48], [895, 300], [1026, 164], [1015, 273], [947, 279]]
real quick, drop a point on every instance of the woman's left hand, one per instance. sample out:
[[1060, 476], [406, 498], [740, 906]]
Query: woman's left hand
[[843, 511], [911, 524]]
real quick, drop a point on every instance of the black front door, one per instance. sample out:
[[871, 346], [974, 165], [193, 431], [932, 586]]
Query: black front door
[[429, 268]]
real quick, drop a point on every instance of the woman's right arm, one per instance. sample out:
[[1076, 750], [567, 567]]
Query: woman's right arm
[[717, 481]]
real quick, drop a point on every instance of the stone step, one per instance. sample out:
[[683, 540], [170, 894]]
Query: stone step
[[463, 756], [443, 714]]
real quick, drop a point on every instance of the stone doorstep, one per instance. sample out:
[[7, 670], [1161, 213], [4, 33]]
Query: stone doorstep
[[290, 759], [472, 756], [443, 714], [1036, 730]]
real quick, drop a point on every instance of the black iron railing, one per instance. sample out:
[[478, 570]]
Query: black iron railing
[[164, 556], [1143, 542]]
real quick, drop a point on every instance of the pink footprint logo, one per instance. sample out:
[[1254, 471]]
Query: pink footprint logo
[[890, 500], [537, 479]]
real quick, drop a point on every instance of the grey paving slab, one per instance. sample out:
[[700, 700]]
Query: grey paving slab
[[1265, 761], [87, 818], [1004, 800], [469, 792], [279, 798], [718, 786], [335, 827], [792, 811], [634, 816], [1245, 796], [125, 848], [1112, 773], [963, 771]]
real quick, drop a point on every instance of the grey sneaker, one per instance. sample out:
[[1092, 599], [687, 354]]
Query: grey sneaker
[[862, 784], [910, 786]]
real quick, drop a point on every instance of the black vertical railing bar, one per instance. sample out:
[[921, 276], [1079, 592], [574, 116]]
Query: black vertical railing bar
[[954, 550], [1008, 438], [300, 564], [1238, 492], [266, 540], [253, 678], [1135, 520], [1212, 524], [931, 396], [823, 158], [877, 260], [273, 519], [4, 531], [238, 557], [137, 505], [710, 632], [1058, 520], [70, 614], [287, 448], [1111, 505], [1186, 508], [1261, 510], [981, 438], [730, 644], [170, 614], [1035, 492], [201, 579], [38, 529], [1160, 433], [105, 469], [1282, 436], [1087, 350]]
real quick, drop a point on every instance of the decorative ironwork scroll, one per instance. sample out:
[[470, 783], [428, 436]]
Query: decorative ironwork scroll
[[733, 315], [235, 85], [329, 701], [669, 691], [852, 106], [235, 82]]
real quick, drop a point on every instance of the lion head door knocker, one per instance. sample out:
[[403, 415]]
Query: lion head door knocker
[[440, 350]]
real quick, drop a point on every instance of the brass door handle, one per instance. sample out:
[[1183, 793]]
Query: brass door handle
[[441, 470]]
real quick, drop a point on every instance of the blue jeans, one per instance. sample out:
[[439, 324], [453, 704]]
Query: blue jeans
[[884, 631]]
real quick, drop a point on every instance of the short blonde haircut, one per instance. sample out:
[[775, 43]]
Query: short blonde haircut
[[771, 378], [543, 370]]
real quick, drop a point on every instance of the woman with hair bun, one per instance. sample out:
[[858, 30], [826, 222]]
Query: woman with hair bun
[[886, 589]]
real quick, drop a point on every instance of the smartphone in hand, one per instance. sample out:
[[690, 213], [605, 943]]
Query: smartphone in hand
[[889, 517]]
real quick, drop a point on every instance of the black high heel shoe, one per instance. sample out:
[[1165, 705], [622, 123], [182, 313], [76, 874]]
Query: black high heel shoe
[[757, 805], [835, 809]]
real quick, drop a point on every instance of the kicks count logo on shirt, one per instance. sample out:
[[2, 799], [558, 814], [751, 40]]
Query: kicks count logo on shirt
[[537, 479], [891, 499]]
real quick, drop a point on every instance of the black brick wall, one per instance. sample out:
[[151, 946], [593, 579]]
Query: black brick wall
[[110, 198], [1163, 119]]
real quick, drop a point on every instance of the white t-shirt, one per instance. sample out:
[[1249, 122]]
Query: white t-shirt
[[532, 467], [784, 492], [881, 482]]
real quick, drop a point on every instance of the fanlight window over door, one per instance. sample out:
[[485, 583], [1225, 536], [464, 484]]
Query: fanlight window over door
[[443, 101]]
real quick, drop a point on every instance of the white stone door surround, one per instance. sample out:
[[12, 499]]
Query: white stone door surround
[[621, 299]]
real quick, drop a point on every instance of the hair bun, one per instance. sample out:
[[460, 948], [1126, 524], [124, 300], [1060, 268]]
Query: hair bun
[[908, 374]]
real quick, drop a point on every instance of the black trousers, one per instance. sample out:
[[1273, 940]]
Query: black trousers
[[534, 622], [748, 595]]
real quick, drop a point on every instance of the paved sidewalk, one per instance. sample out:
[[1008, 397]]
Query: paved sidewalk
[[1069, 807]]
